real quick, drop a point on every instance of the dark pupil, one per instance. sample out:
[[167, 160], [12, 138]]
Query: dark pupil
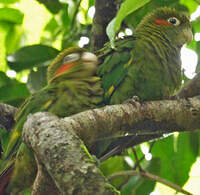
[[172, 21]]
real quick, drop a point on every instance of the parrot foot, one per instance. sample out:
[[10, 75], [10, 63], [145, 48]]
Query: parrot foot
[[133, 100], [96, 160]]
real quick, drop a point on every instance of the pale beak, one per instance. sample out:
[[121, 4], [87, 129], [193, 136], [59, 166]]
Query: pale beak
[[90, 62], [89, 57], [187, 33]]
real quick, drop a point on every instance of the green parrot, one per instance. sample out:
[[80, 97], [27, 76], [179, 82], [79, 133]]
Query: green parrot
[[146, 64], [72, 88]]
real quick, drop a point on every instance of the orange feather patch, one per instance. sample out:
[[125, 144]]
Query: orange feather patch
[[161, 22], [64, 68]]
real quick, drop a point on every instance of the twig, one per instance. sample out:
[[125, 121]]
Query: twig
[[137, 160], [142, 158], [151, 176]]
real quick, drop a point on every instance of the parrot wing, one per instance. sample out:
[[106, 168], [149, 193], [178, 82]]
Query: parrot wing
[[115, 62], [37, 102]]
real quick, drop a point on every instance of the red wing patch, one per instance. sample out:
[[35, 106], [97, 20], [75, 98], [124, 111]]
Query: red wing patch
[[161, 22], [64, 68]]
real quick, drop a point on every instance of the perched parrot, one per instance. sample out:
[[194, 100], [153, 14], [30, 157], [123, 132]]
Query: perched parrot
[[72, 88], [146, 64]]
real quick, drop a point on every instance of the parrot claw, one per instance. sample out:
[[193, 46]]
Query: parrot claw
[[133, 100], [96, 160]]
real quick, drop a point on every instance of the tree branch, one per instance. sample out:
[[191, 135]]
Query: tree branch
[[65, 157], [105, 11], [191, 88], [151, 176], [147, 118], [57, 146]]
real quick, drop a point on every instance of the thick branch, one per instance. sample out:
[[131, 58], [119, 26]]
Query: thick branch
[[105, 10], [154, 117], [190, 89], [67, 160], [70, 166], [65, 157]]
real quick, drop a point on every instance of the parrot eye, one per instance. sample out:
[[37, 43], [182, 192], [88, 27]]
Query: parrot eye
[[173, 21], [71, 58]]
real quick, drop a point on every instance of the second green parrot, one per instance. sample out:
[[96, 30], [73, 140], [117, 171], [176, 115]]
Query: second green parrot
[[72, 88]]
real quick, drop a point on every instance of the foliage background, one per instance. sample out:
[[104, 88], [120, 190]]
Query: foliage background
[[32, 32]]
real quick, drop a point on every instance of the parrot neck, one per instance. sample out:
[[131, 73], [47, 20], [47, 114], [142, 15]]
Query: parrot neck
[[157, 43], [149, 32], [160, 43]]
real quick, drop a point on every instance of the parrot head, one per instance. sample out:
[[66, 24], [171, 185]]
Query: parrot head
[[173, 26], [72, 63]]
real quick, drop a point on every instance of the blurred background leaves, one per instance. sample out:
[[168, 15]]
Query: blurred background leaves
[[32, 32]]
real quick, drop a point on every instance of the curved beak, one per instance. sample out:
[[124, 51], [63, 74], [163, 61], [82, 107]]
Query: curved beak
[[187, 33], [89, 57]]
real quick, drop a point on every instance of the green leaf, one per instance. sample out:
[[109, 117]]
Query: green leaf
[[4, 31], [177, 156], [4, 79], [52, 25], [138, 185], [13, 38], [113, 165], [191, 5], [185, 156], [8, 1], [4, 135], [14, 93], [30, 56], [53, 6], [126, 8], [37, 79], [11, 15]]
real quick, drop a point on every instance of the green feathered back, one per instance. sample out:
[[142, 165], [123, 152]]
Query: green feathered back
[[148, 63], [72, 90]]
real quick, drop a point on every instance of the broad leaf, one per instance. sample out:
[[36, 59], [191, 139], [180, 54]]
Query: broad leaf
[[8, 1], [37, 79], [138, 185], [113, 165], [13, 93], [30, 56], [53, 6], [176, 154], [126, 8], [4, 79], [11, 15]]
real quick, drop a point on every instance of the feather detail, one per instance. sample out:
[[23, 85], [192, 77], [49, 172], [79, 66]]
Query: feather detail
[[64, 68]]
